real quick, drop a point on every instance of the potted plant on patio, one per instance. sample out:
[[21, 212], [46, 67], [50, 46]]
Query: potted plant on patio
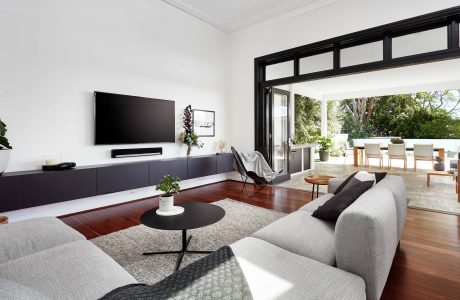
[[5, 148], [325, 146], [169, 186], [397, 140]]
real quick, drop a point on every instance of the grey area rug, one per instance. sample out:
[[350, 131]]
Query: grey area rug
[[126, 246]]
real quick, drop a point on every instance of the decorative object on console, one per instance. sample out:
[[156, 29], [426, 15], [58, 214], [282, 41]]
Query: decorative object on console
[[169, 185], [204, 122], [221, 144], [438, 164], [59, 167], [188, 137], [5, 148]]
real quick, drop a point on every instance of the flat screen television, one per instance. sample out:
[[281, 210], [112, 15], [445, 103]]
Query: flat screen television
[[122, 119]]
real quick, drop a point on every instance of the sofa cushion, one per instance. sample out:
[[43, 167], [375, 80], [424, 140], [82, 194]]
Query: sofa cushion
[[27, 237], [366, 239], [332, 209], [313, 205], [14, 291], [302, 234], [274, 273], [77, 270]]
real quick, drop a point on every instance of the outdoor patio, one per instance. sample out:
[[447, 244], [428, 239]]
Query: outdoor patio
[[439, 196]]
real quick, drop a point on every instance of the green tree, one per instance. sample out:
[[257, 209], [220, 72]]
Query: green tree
[[307, 119]]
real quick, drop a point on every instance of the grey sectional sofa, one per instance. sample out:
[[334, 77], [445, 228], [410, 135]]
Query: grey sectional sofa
[[301, 257], [296, 257], [44, 258]]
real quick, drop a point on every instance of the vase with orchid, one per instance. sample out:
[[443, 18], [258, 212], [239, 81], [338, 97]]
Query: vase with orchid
[[188, 137]]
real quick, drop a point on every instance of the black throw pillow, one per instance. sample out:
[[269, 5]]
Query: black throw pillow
[[332, 208], [379, 176], [343, 184]]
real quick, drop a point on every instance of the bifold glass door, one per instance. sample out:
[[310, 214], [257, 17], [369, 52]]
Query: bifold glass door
[[279, 129]]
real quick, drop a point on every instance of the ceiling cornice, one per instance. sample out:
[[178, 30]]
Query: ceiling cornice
[[286, 10]]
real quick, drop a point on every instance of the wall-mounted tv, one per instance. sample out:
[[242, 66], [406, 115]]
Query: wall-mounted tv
[[122, 119]]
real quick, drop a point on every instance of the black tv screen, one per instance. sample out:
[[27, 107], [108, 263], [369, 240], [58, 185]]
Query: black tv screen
[[122, 119]]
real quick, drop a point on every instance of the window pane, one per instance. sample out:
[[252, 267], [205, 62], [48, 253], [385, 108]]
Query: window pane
[[361, 54], [316, 63], [281, 70], [420, 42]]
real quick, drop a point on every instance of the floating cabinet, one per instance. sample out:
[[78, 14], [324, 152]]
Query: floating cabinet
[[57, 186], [10, 193], [174, 167], [224, 163], [34, 188], [200, 166], [124, 177]]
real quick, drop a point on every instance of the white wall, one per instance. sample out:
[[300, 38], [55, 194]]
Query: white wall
[[54, 54], [329, 21]]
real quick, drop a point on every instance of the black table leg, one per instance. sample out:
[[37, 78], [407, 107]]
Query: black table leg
[[317, 191], [185, 243], [313, 192]]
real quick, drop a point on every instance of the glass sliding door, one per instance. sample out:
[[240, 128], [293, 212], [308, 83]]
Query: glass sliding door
[[279, 130]]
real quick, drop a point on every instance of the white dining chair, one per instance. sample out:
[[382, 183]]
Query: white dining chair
[[373, 151], [423, 152], [397, 151]]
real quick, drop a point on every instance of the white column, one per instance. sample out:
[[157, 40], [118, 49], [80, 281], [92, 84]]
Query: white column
[[324, 117]]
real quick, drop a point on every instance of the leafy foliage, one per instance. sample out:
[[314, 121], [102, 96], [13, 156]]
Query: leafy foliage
[[325, 143], [188, 137], [169, 185], [4, 144], [396, 141], [307, 119], [420, 115]]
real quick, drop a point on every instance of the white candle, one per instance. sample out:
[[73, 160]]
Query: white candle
[[51, 162]]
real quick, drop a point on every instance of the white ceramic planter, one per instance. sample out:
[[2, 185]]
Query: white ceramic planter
[[4, 159], [166, 203]]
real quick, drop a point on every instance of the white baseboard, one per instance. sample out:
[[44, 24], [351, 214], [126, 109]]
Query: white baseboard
[[73, 206]]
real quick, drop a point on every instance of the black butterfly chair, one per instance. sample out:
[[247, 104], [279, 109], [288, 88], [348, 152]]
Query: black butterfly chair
[[259, 181]]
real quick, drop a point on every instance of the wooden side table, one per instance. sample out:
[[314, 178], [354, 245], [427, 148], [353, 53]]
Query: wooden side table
[[317, 181], [3, 220], [437, 173]]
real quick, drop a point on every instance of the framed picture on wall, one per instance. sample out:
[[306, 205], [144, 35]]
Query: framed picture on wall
[[204, 122]]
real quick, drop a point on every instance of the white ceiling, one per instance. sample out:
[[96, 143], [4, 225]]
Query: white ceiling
[[231, 15], [418, 78]]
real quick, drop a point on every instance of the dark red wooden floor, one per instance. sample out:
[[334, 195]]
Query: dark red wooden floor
[[427, 265]]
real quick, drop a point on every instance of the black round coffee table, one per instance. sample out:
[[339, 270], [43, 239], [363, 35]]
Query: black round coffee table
[[196, 215]]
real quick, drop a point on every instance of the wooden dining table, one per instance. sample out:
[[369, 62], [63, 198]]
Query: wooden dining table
[[358, 152]]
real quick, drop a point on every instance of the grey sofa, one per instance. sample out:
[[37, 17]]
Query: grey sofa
[[44, 258], [296, 257], [301, 257]]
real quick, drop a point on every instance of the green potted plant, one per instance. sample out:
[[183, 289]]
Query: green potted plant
[[188, 137], [5, 148], [325, 146], [169, 186], [397, 140]]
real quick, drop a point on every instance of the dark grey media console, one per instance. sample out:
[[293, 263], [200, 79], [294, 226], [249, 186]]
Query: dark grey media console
[[33, 188]]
